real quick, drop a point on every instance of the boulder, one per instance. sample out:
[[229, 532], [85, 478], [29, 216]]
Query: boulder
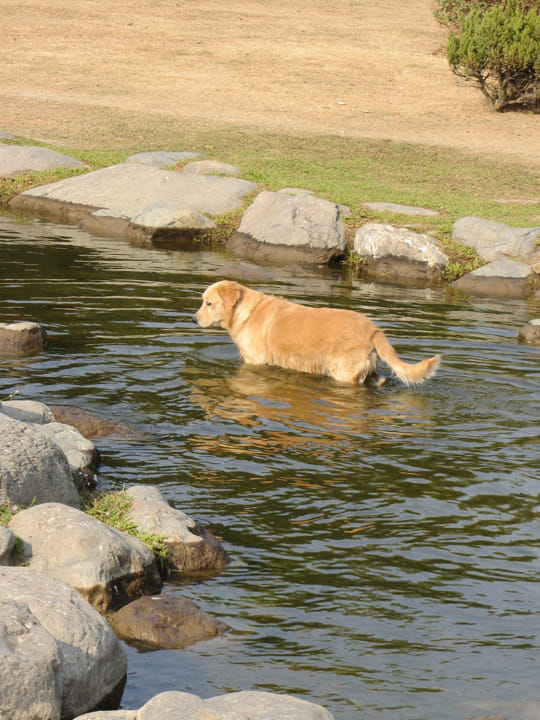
[[212, 167], [81, 453], [502, 278], [32, 467], [108, 567], [162, 159], [27, 411], [162, 226], [110, 199], [164, 621], [18, 338], [191, 546], [83, 663], [30, 659], [89, 424], [494, 240], [18, 159], [399, 253], [246, 705], [530, 333], [400, 209], [7, 545], [282, 228]]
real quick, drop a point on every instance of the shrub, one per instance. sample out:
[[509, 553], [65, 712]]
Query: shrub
[[497, 45]]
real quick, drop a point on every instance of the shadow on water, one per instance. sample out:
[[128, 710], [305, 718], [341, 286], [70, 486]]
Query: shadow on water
[[384, 542]]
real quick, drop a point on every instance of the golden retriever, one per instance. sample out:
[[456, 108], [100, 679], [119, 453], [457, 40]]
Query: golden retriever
[[269, 330]]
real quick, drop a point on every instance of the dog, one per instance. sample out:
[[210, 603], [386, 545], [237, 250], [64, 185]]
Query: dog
[[269, 330]]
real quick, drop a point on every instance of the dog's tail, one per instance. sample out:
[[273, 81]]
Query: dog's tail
[[407, 373]]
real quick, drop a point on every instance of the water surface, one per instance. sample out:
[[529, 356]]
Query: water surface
[[384, 543]]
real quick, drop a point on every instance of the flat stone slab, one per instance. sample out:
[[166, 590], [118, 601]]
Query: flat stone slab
[[401, 209], [162, 158], [19, 159], [212, 167], [127, 192]]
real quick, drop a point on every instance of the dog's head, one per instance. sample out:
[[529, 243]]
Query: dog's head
[[218, 304]]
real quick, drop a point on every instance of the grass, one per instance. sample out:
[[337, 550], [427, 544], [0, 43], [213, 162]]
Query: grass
[[348, 171]]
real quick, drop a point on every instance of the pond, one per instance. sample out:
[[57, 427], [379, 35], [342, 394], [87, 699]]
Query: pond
[[384, 543]]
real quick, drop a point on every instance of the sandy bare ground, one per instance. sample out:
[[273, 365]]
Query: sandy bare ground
[[357, 68]]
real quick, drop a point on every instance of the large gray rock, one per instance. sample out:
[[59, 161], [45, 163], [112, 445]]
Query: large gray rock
[[30, 664], [502, 278], [122, 193], [108, 567], [191, 546], [247, 705], [399, 253], [19, 338], [18, 159], [28, 411], [164, 621], [86, 667], [494, 240], [32, 467], [81, 453], [281, 228]]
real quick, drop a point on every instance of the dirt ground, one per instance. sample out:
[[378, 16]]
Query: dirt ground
[[354, 68]]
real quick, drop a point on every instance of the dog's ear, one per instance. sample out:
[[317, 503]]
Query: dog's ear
[[231, 293]]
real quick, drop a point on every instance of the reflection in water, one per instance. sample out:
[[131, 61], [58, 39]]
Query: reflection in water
[[384, 542]]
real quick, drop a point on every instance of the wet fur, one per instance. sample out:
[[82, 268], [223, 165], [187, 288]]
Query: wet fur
[[269, 330]]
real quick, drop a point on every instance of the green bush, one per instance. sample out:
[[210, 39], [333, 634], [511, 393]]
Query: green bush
[[497, 45]]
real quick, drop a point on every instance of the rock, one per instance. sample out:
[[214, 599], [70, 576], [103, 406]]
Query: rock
[[108, 567], [493, 240], [246, 705], [5, 136], [399, 253], [530, 333], [7, 545], [87, 666], [81, 453], [21, 337], [503, 278], [30, 658], [280, 228], [17, 159], [344, 210], [28, 411], [162, 159], [122, 192], [32, 467], [212, 167], [164, 621], [88, 424], [401, 209], [160, 226], [191, 547], [245, 273]]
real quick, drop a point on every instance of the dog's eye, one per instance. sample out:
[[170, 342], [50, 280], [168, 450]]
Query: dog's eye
[[208, 303]]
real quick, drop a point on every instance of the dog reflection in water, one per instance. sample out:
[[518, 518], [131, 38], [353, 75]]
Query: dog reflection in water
[[269, 330]]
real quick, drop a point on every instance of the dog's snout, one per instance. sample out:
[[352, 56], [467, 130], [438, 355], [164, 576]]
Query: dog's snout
[[195, 320]]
